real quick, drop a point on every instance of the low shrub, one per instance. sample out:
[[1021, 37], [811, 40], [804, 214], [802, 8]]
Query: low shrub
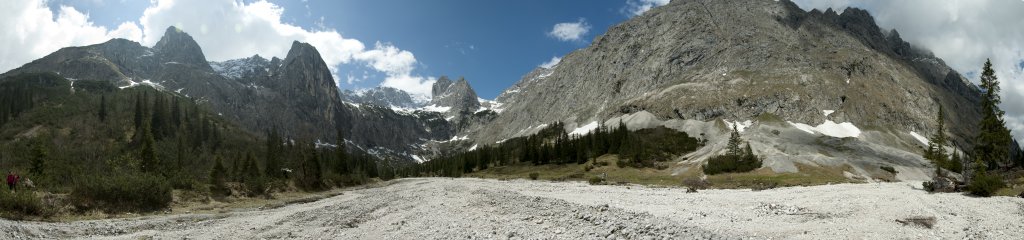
[[985, 185], [889, 169], [258, 186], [122, 192], [17, 205], [731, 164], [534, 176], [588, 167], [595, 180]]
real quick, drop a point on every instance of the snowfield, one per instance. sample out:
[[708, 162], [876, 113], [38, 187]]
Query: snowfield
[[467, 208]]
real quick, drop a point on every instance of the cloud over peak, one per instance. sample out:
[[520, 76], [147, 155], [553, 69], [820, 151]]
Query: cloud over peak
[[225, 29], [570, 31]]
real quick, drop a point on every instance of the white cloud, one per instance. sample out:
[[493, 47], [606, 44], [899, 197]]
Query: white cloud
[[551, 63], [637, 7], [31, 30], [570, 31], [225, 29], [963, 34]]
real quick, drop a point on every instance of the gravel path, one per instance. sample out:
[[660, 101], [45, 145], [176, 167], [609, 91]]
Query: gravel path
[[443, 208]]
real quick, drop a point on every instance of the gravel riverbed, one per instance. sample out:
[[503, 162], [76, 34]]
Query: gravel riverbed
[[469, 208]]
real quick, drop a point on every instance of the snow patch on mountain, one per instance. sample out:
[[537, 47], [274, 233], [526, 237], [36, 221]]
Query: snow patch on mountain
[[740, 126], [919, 138], [435, 108], [830, 128], [585, 129]]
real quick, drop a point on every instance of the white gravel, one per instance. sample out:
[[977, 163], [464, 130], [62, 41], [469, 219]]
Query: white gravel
[[443, 208]]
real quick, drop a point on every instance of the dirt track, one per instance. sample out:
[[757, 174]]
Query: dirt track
[[443, 208]]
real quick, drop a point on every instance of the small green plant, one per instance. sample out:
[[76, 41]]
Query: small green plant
[[534, 176], [595, 180], [889, 169], [17, 205], [122, 192], [984, 185]]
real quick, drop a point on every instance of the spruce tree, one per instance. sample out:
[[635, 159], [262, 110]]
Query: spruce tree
[[993, 140], [734, 142], [148, 163], [103, 108], [39, 154], [936, 145]]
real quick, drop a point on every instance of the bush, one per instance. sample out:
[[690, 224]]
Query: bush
[[257, 186], [119, 193], [534, 176], [588, 167], [731, 164], [889, 169], [985, 185], [19, 204], [595, 180]]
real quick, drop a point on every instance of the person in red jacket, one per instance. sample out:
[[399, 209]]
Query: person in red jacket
[[12, 180]]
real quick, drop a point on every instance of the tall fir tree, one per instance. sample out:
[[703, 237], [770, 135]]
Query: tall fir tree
[[148, 162], [936, 145], [103, 108], [993, 141], [734, 142]]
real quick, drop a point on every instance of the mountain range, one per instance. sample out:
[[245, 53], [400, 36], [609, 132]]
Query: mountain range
[[806, 88]]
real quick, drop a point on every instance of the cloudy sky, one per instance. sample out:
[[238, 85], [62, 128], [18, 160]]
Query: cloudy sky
[[962, 33], [406, 44]]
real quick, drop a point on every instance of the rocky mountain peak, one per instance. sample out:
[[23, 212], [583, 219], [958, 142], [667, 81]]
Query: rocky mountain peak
[[177, 47], [381, 96], [458, 95]]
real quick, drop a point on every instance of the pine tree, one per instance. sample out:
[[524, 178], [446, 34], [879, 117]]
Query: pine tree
[[341, 164], [734, 142], [993, 140], [273, 164], [39, 154], [139, 113], [218, 174], [148, 157], [103, 108], [936, 145]]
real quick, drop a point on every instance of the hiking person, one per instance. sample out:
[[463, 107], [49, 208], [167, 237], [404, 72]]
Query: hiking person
[[12, 180]]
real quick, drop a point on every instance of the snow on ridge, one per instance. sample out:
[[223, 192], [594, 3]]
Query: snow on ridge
[[830, 128], [585, 129], [919, 138], [435, 108], [828, 112], [740, 126], [473, 147]]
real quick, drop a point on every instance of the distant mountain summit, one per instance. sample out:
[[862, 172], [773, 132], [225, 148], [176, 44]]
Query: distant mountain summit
[[178, 47], [457, 95], [296, 95]]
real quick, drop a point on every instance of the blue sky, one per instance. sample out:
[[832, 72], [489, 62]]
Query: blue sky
[[491, 43], [407, 44]]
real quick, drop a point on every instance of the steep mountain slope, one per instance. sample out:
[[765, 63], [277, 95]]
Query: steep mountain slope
[[295, 95], [692, 63], [382, 96]]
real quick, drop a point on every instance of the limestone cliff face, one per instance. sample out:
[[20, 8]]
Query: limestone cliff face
[[458, 95], [737, 60]]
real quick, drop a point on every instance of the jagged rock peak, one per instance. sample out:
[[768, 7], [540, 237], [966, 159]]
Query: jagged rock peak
[[440, 86], [381, 96], [301, 49], [458, 95], [177, 47]]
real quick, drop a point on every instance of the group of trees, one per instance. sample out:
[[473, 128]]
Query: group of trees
[[735, 159], [552, 145], [104, 146], [992, 145]]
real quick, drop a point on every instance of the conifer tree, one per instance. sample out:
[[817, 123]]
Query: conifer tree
[[734, 142], [103, 108], [993, 140], [148, 157], [936, 145], [39, 154]]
